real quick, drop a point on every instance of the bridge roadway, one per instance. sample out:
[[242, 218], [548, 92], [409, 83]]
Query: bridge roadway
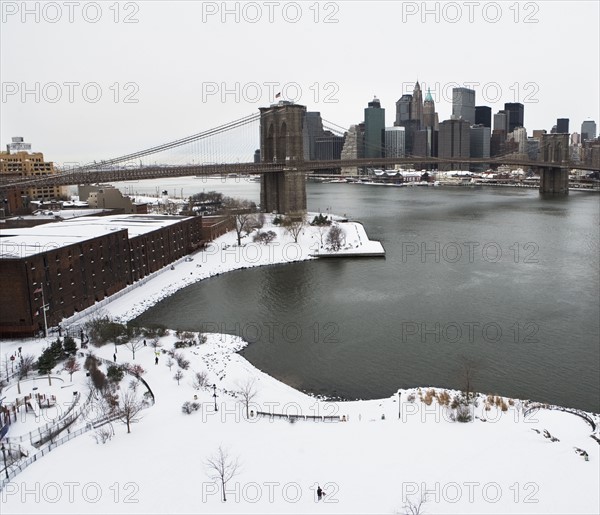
[[90, 174]]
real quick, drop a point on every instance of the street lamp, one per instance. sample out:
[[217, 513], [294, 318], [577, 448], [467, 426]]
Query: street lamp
[[215, 396], [4, 456]]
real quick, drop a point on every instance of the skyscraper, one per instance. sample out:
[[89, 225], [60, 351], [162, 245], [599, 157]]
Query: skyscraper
[[394, 141], [417, 106], [312, 128], [403, 109], [501, 121], [588, 130], [454, 141], [562, 125], [516, 115], [463, 104], [483, 116], [428, 111], [374, 129]]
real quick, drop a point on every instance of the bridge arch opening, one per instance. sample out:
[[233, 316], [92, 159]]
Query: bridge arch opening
[[281, 147]]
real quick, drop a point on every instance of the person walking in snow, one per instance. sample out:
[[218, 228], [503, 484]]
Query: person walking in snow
[[156, 360], [115, 357], [320, 493]]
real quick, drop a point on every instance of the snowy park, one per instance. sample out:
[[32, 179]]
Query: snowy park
[[210, 433]]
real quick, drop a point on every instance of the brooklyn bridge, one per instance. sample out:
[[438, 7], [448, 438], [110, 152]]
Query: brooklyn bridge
[[282, 162]]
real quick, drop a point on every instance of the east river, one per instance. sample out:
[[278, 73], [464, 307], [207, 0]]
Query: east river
[[497, 277]]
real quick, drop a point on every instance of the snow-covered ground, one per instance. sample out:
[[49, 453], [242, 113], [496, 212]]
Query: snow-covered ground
[[376, 457], [381, 457]]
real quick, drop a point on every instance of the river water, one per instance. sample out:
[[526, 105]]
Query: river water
[[496, 277]]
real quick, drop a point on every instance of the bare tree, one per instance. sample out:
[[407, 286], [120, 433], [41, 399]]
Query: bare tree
[[155, 343], [248, 391], [294, 223], [27, 364], [178, 376], [134, 344], [322, 230], [200, 380], [71, 366], [469, 373], [415, 508], [221, 467], [242, 214], [129, 408], [170, 362], [336, 237]]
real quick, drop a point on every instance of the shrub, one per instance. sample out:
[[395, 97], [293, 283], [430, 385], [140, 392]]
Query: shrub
[[320, 220], [98, 379], [182, 362], [189, 407], [264, 237], [277, 220], [114, 374]]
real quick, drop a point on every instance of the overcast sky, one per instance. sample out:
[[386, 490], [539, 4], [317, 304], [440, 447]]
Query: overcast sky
[[162, 68]]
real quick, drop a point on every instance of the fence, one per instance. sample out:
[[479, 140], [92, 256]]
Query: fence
[[19, 467], [306, 418], [572, 411]]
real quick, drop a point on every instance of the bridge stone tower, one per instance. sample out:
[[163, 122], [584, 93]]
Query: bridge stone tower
[[554, 148], [282, 142]]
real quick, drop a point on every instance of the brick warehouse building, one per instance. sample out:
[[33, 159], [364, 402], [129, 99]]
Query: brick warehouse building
[[73, 264]]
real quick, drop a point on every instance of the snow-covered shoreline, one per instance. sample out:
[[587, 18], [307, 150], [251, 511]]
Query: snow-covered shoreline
[[224, 255]]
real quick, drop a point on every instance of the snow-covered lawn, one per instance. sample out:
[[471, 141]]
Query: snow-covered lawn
[[372, 463]]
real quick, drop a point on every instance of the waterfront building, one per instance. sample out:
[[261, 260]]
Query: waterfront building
[[374, 129], [463, 104]]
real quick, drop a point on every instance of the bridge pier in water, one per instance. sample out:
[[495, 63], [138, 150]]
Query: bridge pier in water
[[282, 142], [554, 148], [554, 181]]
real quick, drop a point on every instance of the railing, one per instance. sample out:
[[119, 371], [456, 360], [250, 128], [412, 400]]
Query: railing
[[15, 469], [305, 418], [572, 411]]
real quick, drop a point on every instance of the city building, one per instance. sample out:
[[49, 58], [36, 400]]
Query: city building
[[403, 110], [501, 121], [454, 141], [18, 162], [562, 126], [588, 130], [516, 115], [374, 129], [328, 146], [394, 142], [463, 104], [519, 136], [68, 266], [480, 137], [354, 145], [416, 109], [106, 196], [483, 116], [425, 143], [429, 114], [533, 148], [312, 128]]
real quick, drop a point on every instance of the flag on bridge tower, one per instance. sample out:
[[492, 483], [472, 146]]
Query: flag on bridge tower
[[278, 95], [39, 290]]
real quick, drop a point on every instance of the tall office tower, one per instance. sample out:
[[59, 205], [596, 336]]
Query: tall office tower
[[428, 111], [394, 141], [425, 143], [533, 148], [516, 115], [454, 141], [562, 125], [588, 130], [417, 106], [312, 128], [519, 136], [483, 116], [374, 129], [501, 121], [403, 110], [463, 104], [480, 136]]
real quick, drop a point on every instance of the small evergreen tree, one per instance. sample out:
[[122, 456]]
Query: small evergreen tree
[[69, 345], [114, 374]]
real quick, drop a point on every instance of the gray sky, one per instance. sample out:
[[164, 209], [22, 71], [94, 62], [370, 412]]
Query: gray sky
[[180, 59]]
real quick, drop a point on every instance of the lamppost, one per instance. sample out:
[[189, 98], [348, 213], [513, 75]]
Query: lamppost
[[399, 405], [4, 456], [215, 396]]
